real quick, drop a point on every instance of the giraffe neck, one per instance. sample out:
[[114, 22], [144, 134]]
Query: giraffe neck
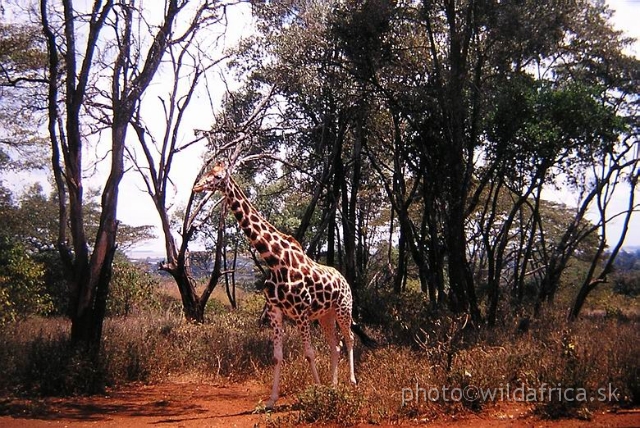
[[272, 245]]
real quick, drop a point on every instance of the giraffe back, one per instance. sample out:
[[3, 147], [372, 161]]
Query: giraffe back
[[308, 289]]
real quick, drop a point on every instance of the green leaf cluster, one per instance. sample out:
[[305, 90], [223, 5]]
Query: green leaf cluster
[[22, 287], [131, 288]]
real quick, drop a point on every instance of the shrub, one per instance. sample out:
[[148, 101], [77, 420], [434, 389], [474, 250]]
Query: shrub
[[38, 359], [385, 373], [54, 280], [22, 291], [155, 346], [131, 288], [57, 368], [400, 315], [627, 283], [322, 404]]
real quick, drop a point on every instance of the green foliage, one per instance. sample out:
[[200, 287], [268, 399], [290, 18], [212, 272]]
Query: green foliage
[[400, 315], [31, 273], [536, 124], [131, 288], [23, 58], [627, 283], [22, 290], [21, 49], [536, 94], [361, 75], [55, 280], [626, 276], [34, 220]]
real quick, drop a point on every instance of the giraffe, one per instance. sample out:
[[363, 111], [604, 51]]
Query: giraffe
[[296, 287]]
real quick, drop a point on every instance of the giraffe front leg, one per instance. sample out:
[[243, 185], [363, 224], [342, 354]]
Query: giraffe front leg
[[309, 353], [275, 316]]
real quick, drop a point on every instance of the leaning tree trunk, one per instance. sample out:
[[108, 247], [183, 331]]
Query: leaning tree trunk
[[88, 275], [86, 322], [590, 282]]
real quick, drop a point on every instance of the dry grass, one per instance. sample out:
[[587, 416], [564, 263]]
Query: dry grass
[[158, 345]]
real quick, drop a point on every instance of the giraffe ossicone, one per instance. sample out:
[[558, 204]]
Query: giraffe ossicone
[[296, 287]]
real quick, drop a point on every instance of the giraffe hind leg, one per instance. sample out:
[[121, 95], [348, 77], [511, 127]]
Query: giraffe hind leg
[[344, 322], [309, 353], [328, 324]]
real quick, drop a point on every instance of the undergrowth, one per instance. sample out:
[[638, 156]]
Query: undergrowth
[[396, 382]]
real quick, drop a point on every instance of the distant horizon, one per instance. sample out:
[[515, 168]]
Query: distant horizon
[[142, 253]]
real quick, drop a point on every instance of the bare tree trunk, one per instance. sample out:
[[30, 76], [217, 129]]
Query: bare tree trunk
[[590, 283], [450, 83], [401, 269], [349, 214], [88, 278], [90, 269]]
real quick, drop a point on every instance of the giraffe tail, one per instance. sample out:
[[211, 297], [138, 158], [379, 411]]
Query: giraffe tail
[[364, 338]]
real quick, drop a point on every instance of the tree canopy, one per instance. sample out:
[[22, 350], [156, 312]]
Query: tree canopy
[[453, 119], [415, 141]]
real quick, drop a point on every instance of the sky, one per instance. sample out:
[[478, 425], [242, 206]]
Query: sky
[[135, 206]]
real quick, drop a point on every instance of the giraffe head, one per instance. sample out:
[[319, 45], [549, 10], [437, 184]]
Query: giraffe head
[[213, 180]]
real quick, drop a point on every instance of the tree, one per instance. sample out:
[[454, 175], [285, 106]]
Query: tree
[[624, 168], [22, 288], [193, 55], [467, 112], [87, 48], [22, 63], [321, 127]]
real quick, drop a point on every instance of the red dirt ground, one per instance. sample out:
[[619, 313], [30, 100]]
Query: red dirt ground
[[193, 404]]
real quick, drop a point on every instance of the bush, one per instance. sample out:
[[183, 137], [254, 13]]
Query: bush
[[54, 279], [627, 283], [152, 346], [400, 315], [55, 367], [323, 404], [22, 291], [39, 359], [131, 289]]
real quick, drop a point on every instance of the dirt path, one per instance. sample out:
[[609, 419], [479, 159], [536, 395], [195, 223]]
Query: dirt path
[[193, 404], [166, 404]]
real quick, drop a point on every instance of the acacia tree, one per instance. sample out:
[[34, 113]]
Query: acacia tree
[[100, 69], [445, 115], [155, 170], [455, 105], [616, 169], [22, 64], [321, 128], [190, 58]]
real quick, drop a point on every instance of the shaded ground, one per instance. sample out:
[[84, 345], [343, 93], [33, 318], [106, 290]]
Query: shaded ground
[[193, 404]]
